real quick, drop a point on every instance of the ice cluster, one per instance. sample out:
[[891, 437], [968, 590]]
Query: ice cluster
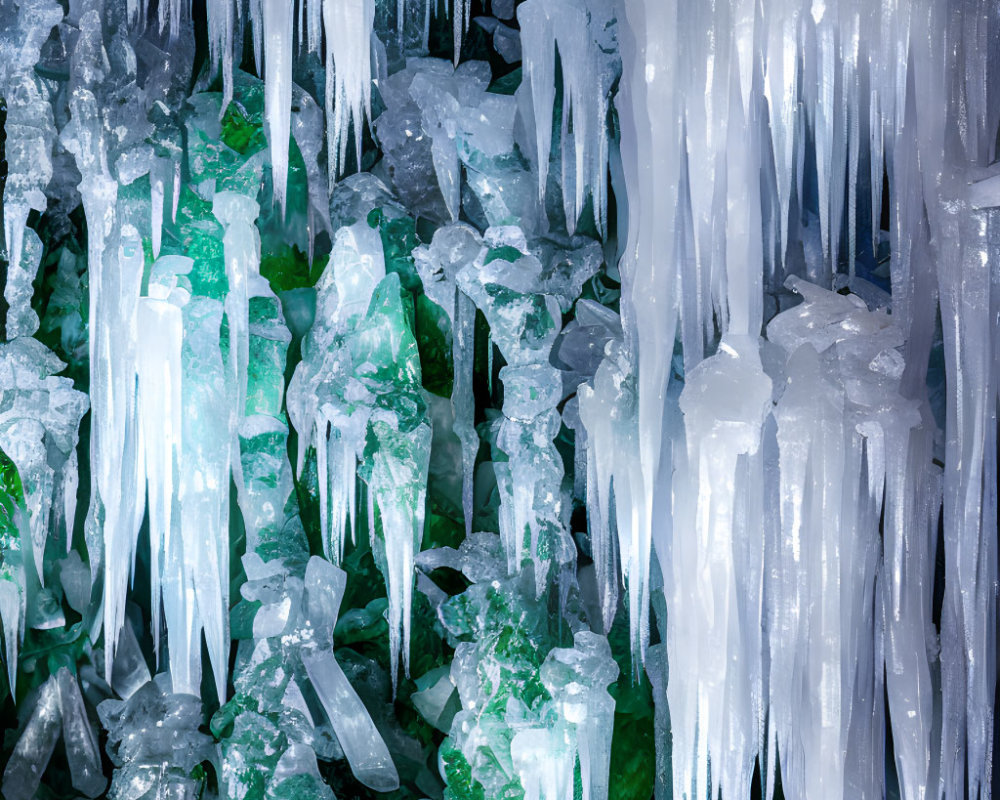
[[522, 399]]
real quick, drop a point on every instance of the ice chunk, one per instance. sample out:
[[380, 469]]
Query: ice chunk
[[130, 670], [154, 740], [86, 773], [34, 747], [362, 744]]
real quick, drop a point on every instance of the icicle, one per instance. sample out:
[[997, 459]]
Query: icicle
[[123, 473], [348, 97], [160, 328], [221, 27], [463, 400], [460, 25], [206, 452], [277, 24], [157, 178], [438, 265]]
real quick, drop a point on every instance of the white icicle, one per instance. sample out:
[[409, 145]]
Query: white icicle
[[348, 25], [276, 21]]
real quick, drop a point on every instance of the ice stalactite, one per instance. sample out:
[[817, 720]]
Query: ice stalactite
[[38, 432], [583, 34], [115, 259], [626, 410], [307, 131], [461, 10], [607, 411], [316, 407], [948, 85], [838, 459], [159, 375], [199, 557], [348, 26], [241, 249], [221, 30], [397, 474], [277, 20], [438, 265], [14, 532]]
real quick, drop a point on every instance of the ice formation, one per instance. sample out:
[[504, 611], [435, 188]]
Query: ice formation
[[624, 369]]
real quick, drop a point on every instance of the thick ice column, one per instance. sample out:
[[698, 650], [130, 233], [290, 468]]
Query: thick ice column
[[946, 113], [649, 112], [842, 431], [713, 584]]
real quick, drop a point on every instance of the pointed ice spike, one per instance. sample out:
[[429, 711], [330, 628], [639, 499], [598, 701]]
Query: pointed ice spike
[[348, 25], [278, 44]]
